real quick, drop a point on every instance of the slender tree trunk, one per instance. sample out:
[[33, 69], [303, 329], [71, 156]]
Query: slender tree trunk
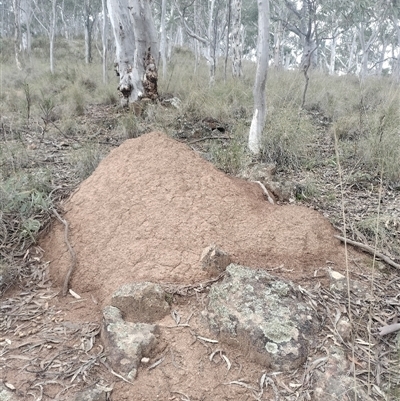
[[333, 56], [26, 15], [170, 42], [17, 33], [228, 32], [197, 44], [237, 38], [277, 44], [163, 38], [52, 33], [88, 32], [352, 52], [210, 48], [379, 67], [104, 40], [260, 110]]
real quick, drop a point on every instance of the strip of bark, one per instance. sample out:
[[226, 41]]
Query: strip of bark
[[370, 250]]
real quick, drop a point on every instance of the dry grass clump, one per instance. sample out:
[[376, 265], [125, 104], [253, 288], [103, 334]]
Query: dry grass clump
[[288, 137], [85, 160]]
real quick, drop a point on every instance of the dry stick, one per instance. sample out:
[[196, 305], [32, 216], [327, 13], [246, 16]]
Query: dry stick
[[265, 190], [209, 137], [370, 250], [71, 251]]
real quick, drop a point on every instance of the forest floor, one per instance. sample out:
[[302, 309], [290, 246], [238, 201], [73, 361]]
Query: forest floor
[[50, 344]]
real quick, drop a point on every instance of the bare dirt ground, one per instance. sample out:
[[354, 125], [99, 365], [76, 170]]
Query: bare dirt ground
[[145, 215]]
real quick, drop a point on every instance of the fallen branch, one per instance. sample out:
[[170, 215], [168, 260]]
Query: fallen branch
[[209, 138], [71, 252], [370, 250], [265, 190]]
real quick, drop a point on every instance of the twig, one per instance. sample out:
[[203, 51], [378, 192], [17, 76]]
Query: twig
[[71, 251], [209, 137], [370, 250], [265, 190]]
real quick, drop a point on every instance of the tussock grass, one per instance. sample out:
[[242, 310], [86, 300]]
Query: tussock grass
[[85, 160]]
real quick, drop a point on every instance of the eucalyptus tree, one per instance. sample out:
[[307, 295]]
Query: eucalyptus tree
[[136, 48], [260, 109], [206, 23], [45, 14], [395, 19], [237, 38], [104, 37], [301, 19]]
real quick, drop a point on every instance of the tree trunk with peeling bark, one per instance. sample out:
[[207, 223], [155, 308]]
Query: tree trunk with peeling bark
[[260, 110], [136, 49]]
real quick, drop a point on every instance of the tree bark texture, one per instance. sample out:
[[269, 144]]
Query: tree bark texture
[[237, 45], [260, 110], [136, 48], [104, 40], [163, 38]]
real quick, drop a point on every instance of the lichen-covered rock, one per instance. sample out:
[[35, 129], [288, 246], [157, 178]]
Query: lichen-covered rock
[[333, 383], [264, 315], [214, 260], [126, 343], [141, 302]]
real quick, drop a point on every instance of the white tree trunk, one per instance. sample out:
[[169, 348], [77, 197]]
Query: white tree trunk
[[17, 33], [277, 44], [210, 47], [88, 33], [52, 33], [333, 55], [260, 110], [136, 48], [352, 52], [26, 16], [104, 40], [163, 38]]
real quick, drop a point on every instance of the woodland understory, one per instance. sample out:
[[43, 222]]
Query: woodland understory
[[335, 147]]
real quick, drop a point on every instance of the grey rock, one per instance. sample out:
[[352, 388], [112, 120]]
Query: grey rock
[[126, 343], [6, 394], [141, 302], [214, 260], [338, 284], [91, 393], [263, 315], [334, 382]]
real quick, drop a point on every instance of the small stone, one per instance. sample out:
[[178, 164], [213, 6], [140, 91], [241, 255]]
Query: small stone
[[141, 302], [126, 342], [145, 360], [343, 327], [214, 260]]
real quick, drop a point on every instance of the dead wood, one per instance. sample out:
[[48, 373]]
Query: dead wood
[[370, 250]]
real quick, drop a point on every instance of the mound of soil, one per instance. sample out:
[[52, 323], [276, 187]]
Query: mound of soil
[[153, 204]]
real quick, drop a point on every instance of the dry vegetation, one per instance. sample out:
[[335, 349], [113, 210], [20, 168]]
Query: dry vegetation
[[54, 130]]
